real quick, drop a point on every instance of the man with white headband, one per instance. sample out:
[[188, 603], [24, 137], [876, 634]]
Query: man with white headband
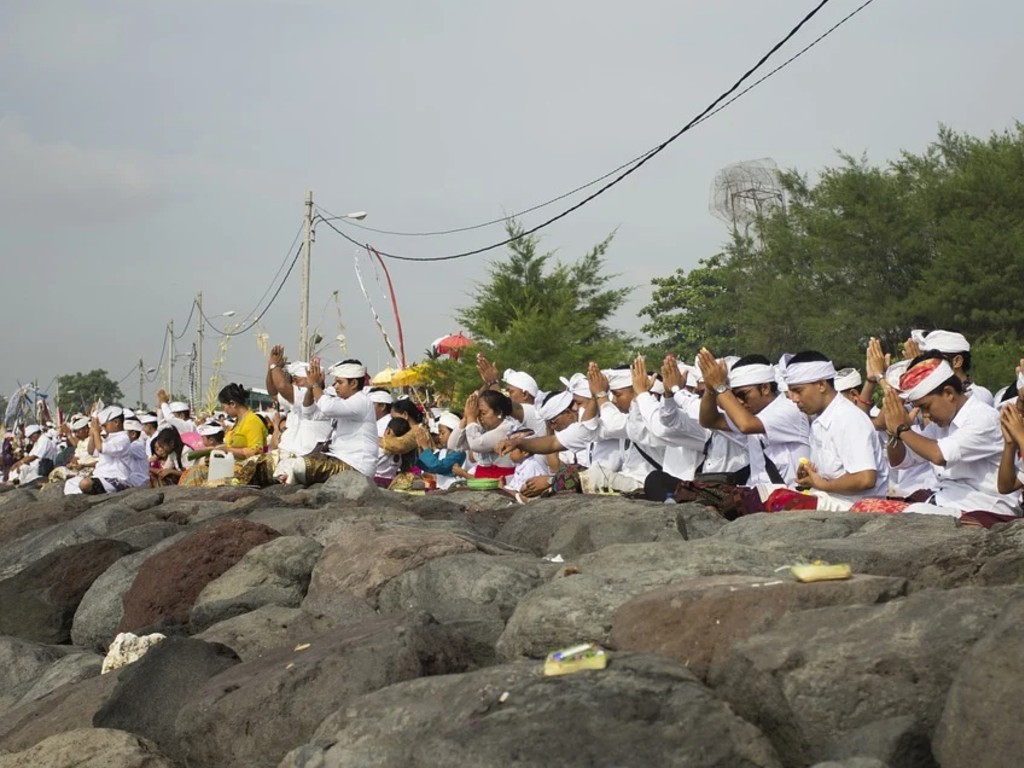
[[305, 427], [522, 388], [778, 435], [956, 350], [846, 460], [174, 414], [962, 438], [596, 451], [37, 463], [354, 442], [138, 458], [113, 455]]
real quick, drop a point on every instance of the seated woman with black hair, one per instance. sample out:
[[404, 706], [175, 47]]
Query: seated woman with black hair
[[486, 424], [169, 460], [248, 437]]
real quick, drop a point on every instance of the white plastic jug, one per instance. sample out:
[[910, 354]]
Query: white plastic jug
[[222, 466]]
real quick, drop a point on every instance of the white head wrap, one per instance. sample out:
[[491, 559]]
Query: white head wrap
[[939, 374], [449, 420], [895, 372], [79, 422], [132, 425], [555, 405], [209, 430], [695, 377], [522, 380], [805, 373], [750, 375], [381, 396], [848, 378], [178, 407], [619, 378], [578, 385], [32, 429], [297, 369], [946, 342], [658, 387], [1020, 380], [148, 418], [347, 371], [110, 413], [129, 413]]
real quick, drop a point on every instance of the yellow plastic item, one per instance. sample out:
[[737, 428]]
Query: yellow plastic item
[[821, 572], [575, 659]]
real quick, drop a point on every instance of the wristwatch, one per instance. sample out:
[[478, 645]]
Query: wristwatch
[[601, 394], [721, 389], [273, 366], [674, 389], [900, 430]]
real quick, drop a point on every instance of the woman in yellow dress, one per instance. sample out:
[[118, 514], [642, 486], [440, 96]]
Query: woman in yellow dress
[[245, 441]]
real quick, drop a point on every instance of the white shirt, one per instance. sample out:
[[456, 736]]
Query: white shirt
[[786, 440], [531, 466], [138, 464], [630, 428], [169, 419], [387, 463], [684, 438], [355, 430], [114, 461], [971, 445], [483, 443], [982, 393], [532, 420], [843, 441], [293, 417], [43, 448]]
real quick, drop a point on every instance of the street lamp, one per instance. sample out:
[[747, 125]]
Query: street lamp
[[202, 328], [305, 349], [143, 373]]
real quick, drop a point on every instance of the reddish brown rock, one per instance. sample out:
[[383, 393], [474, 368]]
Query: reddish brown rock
[[364, 557], [39, 603], [698, 621], [168, 584]]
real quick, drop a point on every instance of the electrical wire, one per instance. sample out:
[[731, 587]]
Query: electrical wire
[[188, 322], [229, 334], [277, 274], [714, 108]]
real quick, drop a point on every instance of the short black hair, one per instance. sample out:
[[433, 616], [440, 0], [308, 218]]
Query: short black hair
[[497, 402], [757, 360], [234, 393], [408, 407]]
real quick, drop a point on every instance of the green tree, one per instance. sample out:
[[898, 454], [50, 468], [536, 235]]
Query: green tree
[[539, 314], [80, 390]]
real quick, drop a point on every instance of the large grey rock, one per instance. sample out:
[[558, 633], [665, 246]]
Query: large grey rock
[[640, 711], [577, 524], [253, 634], [39, 602], [24, 665], [22, 514], [979, 726], [71, 668], [698, 621], [275, 573], [106, 521], [152, 691], [347, 486], [484, 522], [816, 677], [985, 558], [252, 714], [89, 748], [101, 610], [327, 523], [578, 604], [364, 557], [473, 593]]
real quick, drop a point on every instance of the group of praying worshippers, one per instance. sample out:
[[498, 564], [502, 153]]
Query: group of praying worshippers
[[799, 433]]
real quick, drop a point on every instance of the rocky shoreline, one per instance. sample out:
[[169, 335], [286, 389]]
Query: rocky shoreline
[[343, 625]]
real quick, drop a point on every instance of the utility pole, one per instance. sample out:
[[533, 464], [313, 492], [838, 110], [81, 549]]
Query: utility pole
[[304, 296], [142, 381], [170, 358], [199, 365]]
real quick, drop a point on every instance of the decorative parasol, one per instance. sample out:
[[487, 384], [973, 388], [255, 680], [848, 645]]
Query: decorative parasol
[[385, 378], [408, 377], [453, 344]]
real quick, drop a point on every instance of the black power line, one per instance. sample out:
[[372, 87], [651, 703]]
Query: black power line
[[716, 106]]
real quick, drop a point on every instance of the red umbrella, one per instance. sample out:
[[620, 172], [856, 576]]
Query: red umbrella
[[452, 344]]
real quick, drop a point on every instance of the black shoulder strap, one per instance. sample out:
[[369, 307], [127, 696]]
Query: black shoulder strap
[[704, 457], [769, 466], [647, 458]]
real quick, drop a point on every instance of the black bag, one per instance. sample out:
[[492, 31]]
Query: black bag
[[738, 477]]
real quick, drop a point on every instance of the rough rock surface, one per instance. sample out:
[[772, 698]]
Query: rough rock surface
[[253, 634], [364, 557], [279, 699], [39, 602], [817, 676], [275, 573], [578, 603], [979, 726], [642, 710], [100, 612], [30, 670], [151, 692], [698, 621], [168, 583], [89, 748]]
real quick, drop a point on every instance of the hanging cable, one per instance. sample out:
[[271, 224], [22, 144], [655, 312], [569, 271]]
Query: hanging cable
[[284, 261], [188, 322], [714, 108]]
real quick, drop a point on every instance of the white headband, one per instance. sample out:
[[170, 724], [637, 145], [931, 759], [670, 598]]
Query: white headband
[[109, 413], [619, 378], [384, 397], [131, 425], [297, 369], [147, 418], [578, 385], [555, 405], [521, 380], [805, 373], [848, 378], [946, 342], [347, 371], [749, 375], [449, 420], [32, 429], [209, 430], [80, 423], [178, 407], [942, 372]]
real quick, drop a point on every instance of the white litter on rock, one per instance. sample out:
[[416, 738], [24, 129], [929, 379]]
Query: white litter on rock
[[127, 648], [554, 558]]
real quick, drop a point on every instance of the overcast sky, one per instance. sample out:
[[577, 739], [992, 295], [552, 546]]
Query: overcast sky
[[150, 150]]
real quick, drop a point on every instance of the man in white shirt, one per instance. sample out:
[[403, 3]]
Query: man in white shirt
[[962, 440], [956, 350], [846, 460], [112, 455], [778, 435], [138, 457], [382, 400], [37, 463], [174, 414]]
